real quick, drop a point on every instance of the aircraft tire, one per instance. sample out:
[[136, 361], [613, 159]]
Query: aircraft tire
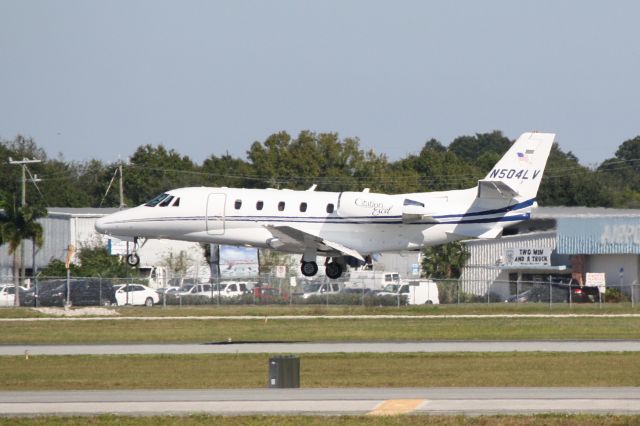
[[133, 259], [333, 270], [309, 269]]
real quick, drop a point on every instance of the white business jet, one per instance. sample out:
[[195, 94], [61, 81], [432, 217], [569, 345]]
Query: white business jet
[[343, 227]]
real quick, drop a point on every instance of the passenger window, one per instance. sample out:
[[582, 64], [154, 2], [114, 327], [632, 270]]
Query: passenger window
[[281, 206], [404, 289], [177, 202], [243, 287], [233, 287], [303, 207], [329, 208], [238, 204], [259, 205], [166, 201]]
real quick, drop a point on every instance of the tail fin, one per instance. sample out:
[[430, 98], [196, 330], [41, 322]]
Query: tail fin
[[519, 171]]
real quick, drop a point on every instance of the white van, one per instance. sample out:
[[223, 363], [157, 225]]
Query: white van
[[373, 280], [418, 292]]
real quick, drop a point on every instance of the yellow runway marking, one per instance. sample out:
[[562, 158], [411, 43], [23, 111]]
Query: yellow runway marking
[[396, 406]]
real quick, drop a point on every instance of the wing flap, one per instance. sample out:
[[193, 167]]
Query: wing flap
[[294, 237]]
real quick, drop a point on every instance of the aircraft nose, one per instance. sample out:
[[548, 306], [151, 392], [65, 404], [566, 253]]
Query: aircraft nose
[[101, 225]]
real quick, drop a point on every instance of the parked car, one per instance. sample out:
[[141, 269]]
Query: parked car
[[8, 294], [319, 289], [232, 289], [266, 294], [81, 293], [136, 294], [169, 291], [195, 290], [560, 293]]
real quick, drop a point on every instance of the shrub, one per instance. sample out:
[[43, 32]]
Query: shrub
[[614, 295]]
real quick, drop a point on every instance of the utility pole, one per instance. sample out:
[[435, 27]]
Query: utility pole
[[122, 204], [34, 266], [22, 163]]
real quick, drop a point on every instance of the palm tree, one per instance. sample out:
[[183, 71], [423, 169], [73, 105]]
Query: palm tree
[[444, 261], [19, 223]]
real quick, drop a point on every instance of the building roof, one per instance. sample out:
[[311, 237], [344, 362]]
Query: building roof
[[562, 212], [514, 237], [81, 211]]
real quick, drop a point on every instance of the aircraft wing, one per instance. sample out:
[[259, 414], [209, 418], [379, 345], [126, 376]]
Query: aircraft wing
[[294, 237]]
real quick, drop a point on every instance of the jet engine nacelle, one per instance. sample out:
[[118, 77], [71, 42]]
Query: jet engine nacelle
[[365, 204]]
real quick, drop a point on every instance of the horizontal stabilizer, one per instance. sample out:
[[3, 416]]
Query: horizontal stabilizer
[[495, 189]]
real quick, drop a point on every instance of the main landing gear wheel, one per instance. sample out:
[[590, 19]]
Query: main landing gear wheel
[[309, 269], [333, 270], [133, 259]]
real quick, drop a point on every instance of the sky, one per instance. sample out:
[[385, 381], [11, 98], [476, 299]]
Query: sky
[[96, 79]]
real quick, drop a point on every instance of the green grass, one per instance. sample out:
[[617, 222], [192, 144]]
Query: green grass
[[413, 420], [321, 370], [276, 310], [405, 329]]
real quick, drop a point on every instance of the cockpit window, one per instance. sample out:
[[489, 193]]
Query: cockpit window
[[156, 200], [166, 201], [177, 202]]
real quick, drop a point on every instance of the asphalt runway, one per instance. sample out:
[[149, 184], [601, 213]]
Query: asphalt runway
[[327, 347], [372, 401]]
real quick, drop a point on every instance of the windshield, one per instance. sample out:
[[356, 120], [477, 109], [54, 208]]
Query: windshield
[[156, 200], [187, 287], [391, 288], [311, 288]]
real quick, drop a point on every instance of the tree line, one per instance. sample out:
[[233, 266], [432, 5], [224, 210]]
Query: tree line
[[283, 161], [325, 159]]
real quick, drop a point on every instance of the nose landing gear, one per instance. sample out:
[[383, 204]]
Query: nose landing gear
[[132, 258]]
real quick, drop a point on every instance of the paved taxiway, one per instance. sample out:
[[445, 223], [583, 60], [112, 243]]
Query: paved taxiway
[[325, 401], [328, 347]]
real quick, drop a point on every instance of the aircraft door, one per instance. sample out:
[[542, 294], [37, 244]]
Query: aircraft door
[[215, 213]]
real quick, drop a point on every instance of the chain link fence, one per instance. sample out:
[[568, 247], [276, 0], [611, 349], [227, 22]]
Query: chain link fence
[[268, 289]]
